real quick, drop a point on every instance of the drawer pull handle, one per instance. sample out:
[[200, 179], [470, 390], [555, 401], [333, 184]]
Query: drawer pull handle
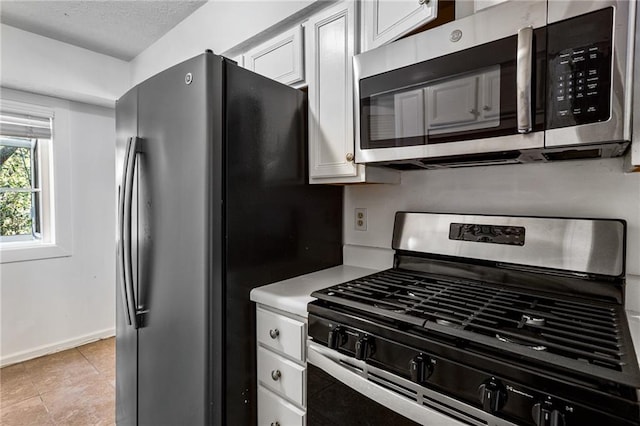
[[275, 423], [275, 375], [274, 333]]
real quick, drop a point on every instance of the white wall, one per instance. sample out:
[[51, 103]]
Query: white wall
[[589, 188], [39, 64], [218, 26], [51, 304]]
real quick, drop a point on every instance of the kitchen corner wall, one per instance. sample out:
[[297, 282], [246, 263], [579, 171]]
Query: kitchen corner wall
[[589, 188]]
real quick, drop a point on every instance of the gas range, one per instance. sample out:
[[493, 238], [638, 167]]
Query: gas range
[[491, 320]]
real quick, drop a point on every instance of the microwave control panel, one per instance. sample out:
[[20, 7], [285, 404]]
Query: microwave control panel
[[579, 65]]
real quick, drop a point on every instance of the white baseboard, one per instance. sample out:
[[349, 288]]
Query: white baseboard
[[56, 347]]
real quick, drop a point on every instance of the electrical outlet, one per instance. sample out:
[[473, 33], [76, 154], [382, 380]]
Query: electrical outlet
[[361, 220]]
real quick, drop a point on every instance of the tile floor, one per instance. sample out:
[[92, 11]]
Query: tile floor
[[72, 387]]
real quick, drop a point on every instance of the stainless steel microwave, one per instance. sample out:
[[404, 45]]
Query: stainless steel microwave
[[522, 81]]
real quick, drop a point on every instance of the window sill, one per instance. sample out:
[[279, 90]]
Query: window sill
[[25, 251]]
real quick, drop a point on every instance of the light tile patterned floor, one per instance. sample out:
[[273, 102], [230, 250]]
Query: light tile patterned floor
[[72, 387]]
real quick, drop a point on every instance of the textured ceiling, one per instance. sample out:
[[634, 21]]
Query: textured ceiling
[[118, 28]]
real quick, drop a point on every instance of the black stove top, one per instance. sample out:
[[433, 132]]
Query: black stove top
[[587, 337]]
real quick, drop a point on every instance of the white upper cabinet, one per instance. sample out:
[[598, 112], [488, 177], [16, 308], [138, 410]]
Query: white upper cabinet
[[280, 58], [383, 21], [331, 43]]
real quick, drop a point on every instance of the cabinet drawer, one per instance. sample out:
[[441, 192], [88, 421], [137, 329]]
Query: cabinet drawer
[[281, 333], [281, 375], [276, 411]]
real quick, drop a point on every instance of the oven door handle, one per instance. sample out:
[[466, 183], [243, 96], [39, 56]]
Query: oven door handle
[[524, 72], [350, 371], [354, 373]]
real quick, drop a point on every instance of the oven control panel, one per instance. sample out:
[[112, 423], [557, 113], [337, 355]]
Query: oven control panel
[[483, 233], [430, 367], [579, 70]]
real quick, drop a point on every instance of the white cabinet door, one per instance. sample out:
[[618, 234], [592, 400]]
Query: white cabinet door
[[281, 375], [280, 333], [383, 21], [273, 410], [330, 46], [280, 58]]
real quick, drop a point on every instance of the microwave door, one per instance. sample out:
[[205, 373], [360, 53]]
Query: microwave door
[[486, 98], [452, 109]]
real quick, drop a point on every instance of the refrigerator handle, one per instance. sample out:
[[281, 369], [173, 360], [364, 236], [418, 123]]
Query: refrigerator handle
[[121, 262], [126, 200]]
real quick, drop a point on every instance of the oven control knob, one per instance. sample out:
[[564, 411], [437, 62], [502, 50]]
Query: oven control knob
[[337, 337], [493, 395], [544, 415], [420, 368], [365, 347]]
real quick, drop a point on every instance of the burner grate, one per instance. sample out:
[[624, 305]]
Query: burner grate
[[585, 332]]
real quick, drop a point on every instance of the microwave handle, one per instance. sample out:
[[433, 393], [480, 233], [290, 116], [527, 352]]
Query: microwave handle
[[523, 79]]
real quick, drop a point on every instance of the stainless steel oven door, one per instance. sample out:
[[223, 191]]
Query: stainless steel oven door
[[471, 86], [341, 375]]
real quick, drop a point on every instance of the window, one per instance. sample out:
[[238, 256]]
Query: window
[[27, 207], [20, 189]]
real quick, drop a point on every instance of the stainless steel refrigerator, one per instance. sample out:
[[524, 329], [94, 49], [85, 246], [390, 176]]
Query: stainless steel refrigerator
[[212, 202]]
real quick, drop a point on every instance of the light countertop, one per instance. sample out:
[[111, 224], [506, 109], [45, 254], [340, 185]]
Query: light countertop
[[292, 295]]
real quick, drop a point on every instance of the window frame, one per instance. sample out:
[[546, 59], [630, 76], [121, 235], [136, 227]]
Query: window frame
[[55, 177]]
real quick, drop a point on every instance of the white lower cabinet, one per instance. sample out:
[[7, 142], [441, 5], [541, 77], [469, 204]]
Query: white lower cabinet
[[281, 368], [275, 411], [281, 333], [281, 375]]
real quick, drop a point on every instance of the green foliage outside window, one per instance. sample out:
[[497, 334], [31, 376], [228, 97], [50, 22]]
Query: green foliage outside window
[[16, 189]]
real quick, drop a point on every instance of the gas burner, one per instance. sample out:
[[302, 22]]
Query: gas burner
[[520, 342]]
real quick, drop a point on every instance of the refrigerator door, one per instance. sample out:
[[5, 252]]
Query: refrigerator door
[[126, 334], [174, 194]]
